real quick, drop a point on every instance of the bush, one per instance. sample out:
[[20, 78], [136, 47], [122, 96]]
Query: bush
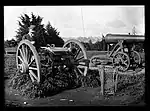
[[48, 86]]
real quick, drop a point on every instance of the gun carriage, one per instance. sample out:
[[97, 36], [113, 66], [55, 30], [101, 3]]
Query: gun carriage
[[72, 56], [124, 53]]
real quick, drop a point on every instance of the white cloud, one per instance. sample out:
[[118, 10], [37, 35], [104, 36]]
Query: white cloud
[[133, 15], [68, 19]]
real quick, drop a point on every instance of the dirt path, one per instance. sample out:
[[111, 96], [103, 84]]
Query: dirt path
[[74, 97], [80, 96]]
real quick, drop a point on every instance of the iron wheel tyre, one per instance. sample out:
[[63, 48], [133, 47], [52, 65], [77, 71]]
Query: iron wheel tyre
[[122, 61]]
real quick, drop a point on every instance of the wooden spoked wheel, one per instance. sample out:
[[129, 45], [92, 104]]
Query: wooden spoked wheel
[[136, 57], [28, 61], [121, 60], [79, 57]]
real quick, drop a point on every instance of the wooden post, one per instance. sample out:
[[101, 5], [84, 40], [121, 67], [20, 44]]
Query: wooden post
[[102, 79], [101, 73], [108, 48], [116, 78], [113, 79]]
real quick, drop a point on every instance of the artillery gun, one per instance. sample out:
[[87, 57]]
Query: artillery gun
[[124, 53], [71, 56]]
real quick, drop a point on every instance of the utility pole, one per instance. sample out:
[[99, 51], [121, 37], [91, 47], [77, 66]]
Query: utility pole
[[82, 22]]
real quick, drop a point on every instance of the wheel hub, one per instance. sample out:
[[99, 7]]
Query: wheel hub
[[24, 68]]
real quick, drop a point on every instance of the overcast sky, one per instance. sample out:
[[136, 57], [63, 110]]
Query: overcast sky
[[97, 20]]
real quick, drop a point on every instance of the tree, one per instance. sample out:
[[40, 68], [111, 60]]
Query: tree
[[53, 36], [90, 44], [104, 45], [42, 36], [23, 27], [39, 30], [6, 44], [98, 46], [10, 43], [86, 45]]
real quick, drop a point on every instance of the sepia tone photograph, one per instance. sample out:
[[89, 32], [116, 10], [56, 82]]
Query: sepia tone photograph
[[74, 55]]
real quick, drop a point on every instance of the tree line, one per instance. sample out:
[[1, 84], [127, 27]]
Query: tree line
[[97, 46], [44, 35]]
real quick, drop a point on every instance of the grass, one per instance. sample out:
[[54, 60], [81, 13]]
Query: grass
[[93, 53], [127, 85], [9, 65]]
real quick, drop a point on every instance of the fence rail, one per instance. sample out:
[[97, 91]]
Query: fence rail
[[10, 51]]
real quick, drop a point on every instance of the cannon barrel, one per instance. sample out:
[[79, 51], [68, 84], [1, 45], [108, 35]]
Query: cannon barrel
[[113, 38]]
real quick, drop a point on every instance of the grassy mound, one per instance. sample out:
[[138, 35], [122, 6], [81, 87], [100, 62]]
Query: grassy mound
[[49, 85], [132, 86]]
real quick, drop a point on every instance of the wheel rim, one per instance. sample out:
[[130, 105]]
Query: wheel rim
[[136, 57], [79, 56], [121, 60], [28, 60]]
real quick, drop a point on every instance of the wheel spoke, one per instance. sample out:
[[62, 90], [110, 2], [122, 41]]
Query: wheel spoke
[[125, 64], [29, 56], [31, 77], [32, 59], [21, 59], [21, 53], [76, 72], [81, 67], [79, 58], [77, 53], [19, 65], [125, 61], [32, 73], [80, 64], [79, 71], [32, 68], [121, 58], [26, 50]]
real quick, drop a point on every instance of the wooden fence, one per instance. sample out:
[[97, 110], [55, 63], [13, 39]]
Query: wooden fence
[[109, 77], [10, 51]]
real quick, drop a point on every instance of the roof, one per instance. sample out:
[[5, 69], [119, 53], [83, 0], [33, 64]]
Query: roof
[[125, 35]]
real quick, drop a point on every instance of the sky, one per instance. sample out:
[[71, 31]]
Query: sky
[[75, 21]]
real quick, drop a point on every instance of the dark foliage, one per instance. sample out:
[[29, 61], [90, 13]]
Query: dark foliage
[[53, 36], [51, 84], [98, 46], [10, 43], [42, 36]]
